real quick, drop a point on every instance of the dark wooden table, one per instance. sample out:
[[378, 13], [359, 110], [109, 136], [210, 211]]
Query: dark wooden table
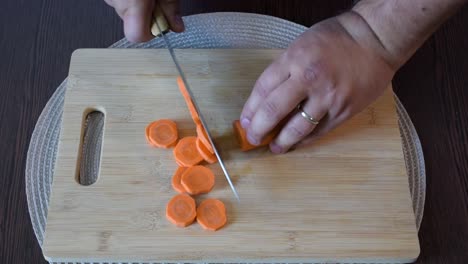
[[38, 37]]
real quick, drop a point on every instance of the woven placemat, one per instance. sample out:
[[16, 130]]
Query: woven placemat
[[212, 30]]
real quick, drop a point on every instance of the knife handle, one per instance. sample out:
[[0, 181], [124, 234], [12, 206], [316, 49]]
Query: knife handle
[[158, 17]]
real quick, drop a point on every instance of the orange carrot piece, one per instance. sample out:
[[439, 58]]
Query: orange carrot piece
[[162, 133], [204, 152], [176, 185], [201, 134], [180, 164], [188, 101], [211, 214], [186, 153], [242, 137], [181, 210], [198, 179]]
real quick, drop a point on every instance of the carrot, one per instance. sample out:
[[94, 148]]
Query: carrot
[[186, 153], [211, 214], [204, 152], [162, 133], [188, 101], [180, 164], [181, 210], [242, 137], [176, 185], [201, 134], [198, 179]]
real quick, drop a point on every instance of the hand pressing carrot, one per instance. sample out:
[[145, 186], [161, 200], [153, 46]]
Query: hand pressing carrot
[[244, 143], [338, 67]]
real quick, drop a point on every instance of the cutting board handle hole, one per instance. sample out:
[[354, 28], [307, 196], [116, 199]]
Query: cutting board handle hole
[[89, 160]]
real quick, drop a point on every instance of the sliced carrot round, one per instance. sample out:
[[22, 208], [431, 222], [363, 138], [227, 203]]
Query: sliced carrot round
[[180, 164], [201, 134], [205, 153], [181, 210], [176, 185], [186, 153], [211, 214], [198, 179], [188, 101], [162, 133]]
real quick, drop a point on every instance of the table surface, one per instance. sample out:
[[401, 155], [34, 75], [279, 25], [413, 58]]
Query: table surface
[[37, 39]]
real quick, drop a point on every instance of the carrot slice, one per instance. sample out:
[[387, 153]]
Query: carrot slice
[[201, 134], [242, 137], [211, 214], [180, 164], [181, 210], [204, 152], [198, 179], [186, 153], [176, 185], [188, 101], [162, 133]]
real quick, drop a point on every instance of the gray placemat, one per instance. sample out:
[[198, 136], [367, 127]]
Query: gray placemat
[[212, 30]]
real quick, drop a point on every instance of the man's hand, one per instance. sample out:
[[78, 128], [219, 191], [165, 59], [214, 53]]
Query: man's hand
[[338, 67], [137, 14], [335, 75]]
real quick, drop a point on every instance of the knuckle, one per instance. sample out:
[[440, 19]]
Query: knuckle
[[261, 89], [298, 51], [311, 72], [331, 87], [294, 132], [271, 109]]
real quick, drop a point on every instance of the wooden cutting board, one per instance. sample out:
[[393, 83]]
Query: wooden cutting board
[[344, 199]]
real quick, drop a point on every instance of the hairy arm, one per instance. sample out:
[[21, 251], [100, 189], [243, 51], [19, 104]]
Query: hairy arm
[[399, 27]]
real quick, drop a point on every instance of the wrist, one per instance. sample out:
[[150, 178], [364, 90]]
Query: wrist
[[361, 31], [399, 28]]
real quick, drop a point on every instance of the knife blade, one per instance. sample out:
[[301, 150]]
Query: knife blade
[[160, 28]]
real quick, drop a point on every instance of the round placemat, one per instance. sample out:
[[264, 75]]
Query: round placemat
[[212, 30]]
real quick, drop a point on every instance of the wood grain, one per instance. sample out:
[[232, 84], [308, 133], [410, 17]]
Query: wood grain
[[37, 42], [345, 199]]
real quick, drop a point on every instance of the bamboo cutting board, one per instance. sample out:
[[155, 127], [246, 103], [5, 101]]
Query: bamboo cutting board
[[344, 199]]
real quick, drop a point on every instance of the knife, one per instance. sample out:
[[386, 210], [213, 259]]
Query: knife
[[159, 28]]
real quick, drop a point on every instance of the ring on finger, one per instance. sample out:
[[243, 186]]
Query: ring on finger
[[306, 116]]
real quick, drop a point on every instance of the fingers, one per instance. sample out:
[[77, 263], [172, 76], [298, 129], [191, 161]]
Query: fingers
[[136, 16], [298, 127], [270, 79], [279, 103], [171, 10], [325, 126]]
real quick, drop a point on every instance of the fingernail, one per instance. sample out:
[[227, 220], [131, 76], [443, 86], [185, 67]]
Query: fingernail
[[252, 140], [275, 148], [245, 123]]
